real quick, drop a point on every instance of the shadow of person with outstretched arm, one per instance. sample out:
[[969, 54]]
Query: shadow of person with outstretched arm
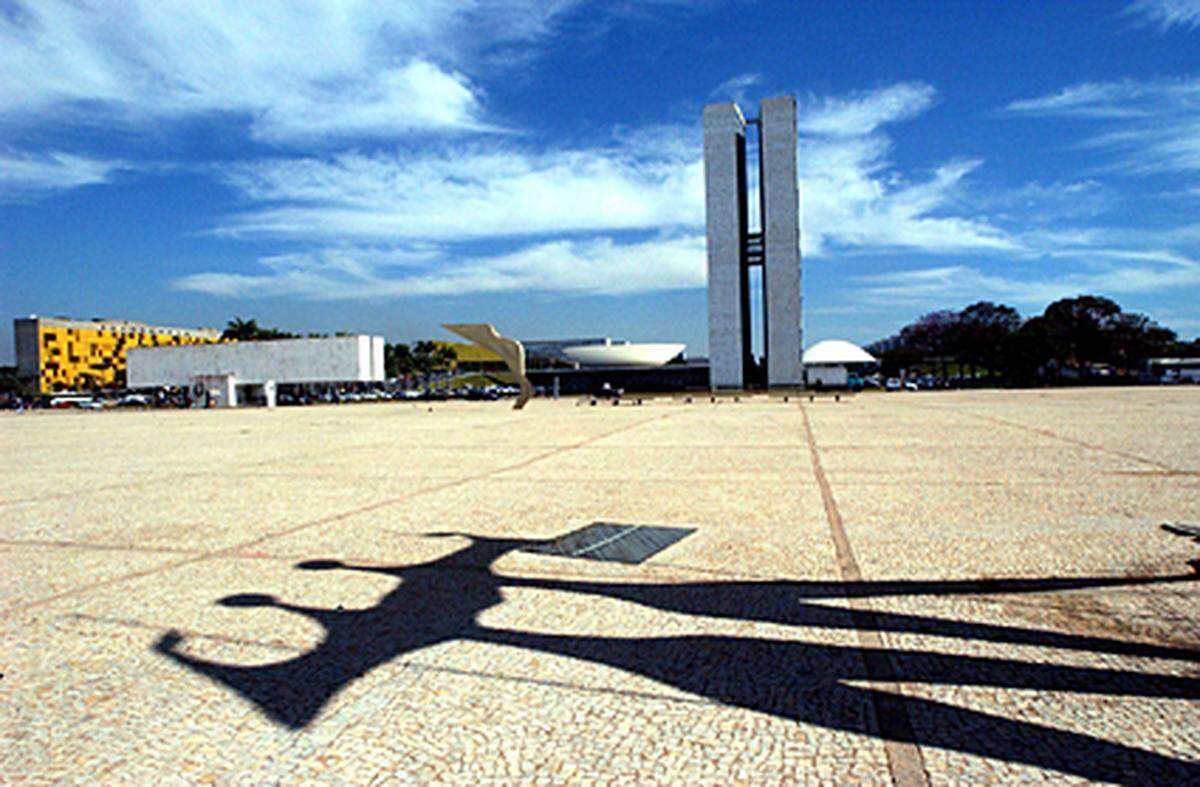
[[434, 602], [806, 681]]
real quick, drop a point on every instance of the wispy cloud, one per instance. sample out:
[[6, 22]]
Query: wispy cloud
[[466, 193], [28, 176], [734, 88], [1113, 272], [1165, 14], [863, 112], [1150, 126], [582, 203], [295, 72], [598, 266]]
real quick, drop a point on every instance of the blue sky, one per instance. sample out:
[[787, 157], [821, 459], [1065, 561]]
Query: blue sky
[[385, 167]]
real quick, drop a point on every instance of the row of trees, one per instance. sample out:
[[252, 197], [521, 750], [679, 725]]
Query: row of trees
[[1076, 337], [401, 360]]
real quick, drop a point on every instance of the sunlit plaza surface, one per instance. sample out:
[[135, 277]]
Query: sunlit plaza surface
[[898, 587]]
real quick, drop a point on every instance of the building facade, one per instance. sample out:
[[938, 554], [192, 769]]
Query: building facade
[[734, 246], [60, 354], [218, 372]]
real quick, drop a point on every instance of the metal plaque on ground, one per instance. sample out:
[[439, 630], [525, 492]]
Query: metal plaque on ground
[[613, 542]]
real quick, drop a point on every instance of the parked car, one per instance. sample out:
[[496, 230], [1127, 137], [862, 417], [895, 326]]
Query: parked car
[[892, 384], [134, 400]]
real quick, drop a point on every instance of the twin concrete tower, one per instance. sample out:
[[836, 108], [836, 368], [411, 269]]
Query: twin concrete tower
[[735, 247]]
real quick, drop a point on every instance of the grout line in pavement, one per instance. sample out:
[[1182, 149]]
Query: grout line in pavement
[[233, 550], [1054, 436], [157, 478], [905, 760]]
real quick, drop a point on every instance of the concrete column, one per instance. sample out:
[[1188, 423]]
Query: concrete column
[[725, 212], [228, 391], [781, 240]]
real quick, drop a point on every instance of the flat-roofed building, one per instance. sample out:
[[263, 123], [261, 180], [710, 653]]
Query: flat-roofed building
[[217, 370], [63, 354]]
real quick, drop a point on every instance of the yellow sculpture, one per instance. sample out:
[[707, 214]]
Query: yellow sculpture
[[511, 351]]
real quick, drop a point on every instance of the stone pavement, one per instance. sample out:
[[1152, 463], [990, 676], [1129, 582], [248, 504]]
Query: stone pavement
[[930, 587]]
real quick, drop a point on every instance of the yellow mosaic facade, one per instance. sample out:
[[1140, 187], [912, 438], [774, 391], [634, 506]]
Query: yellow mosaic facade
[[78, 355]]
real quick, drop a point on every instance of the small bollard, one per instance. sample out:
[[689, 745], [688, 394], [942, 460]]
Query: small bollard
[[837, 397]]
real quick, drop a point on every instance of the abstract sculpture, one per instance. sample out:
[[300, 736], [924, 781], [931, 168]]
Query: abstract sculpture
[[511, 351]]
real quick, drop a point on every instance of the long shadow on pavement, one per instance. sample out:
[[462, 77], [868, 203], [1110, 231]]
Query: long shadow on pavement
[[442, 600]]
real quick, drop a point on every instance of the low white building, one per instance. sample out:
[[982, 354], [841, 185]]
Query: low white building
[[216, 371], [827, 364]]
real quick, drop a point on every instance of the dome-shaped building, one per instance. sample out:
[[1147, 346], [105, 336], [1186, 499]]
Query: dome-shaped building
[[828, 364]]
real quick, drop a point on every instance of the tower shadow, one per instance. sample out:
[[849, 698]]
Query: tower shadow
[[812, 682]]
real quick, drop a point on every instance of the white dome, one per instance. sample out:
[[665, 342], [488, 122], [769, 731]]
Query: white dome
[[836, 351]]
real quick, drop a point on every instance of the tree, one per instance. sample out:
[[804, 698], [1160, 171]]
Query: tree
[[397, 360], [241, 330], [1092, 330], [980, 331], [1076, 328], [425, 356], [1132, 338], [1025, 353]]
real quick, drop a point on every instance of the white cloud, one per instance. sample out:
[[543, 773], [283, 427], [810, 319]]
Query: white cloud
[[594, 266], [1150, 127], [734, 88], [576, 203], [863, 112], [24, 175], [466, 193], [295, 71], [1111, 272], [1165, 14], [642, 180]]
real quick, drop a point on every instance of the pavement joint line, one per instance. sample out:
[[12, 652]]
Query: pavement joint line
[[663, 570], [176, 475], [906, 764], [231, 551], [1053, 435], [191, 633]]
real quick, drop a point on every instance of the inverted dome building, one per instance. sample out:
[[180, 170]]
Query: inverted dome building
[[611, 353], [828, 364]]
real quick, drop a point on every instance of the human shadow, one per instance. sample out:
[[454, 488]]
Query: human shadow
[[801, 680]]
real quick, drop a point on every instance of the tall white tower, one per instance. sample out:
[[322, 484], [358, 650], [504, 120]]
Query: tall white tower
[[733, 249]]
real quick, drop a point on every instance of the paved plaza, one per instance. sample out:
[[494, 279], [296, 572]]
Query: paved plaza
[[907, 587]]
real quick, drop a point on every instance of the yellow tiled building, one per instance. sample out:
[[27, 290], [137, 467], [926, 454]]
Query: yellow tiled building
[[71, 355]]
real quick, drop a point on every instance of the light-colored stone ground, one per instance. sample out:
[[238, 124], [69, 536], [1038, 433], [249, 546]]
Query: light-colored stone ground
[[1016, 590]]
